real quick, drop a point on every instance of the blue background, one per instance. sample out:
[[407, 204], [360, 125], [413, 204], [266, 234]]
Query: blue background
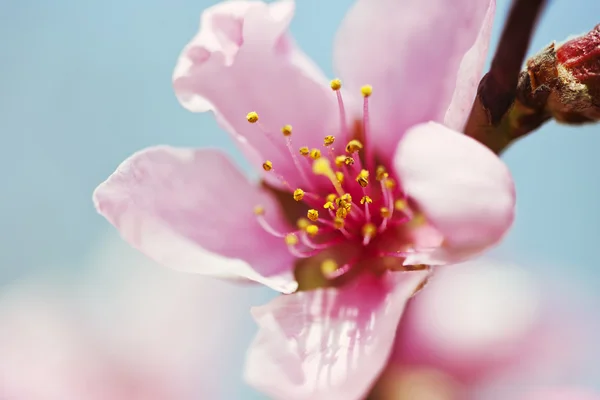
[[85, 84]]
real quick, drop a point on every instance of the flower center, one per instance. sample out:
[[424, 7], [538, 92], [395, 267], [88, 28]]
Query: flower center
[[348, 198]]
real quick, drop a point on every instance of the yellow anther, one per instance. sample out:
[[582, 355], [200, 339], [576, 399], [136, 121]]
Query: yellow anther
[[329, 266], [315, 154], [347, 197], [353, 146], [349, 161], [298, 194], [338, 223], [340, 176], [329, 206], [341, 212], [312, 230], [400, 205], [291, 239], [286, 130], [339, 160], [267, 165], [312, 214], [385, 212], [366, 90], [304, 151], [381, 173], [331, 197], [363, 178], [302, 223], [336, 84], [252, 117], [417, 220], [389, 183], [369, 229], [328, 140], [366, 199], [322, 166], [259, 210]]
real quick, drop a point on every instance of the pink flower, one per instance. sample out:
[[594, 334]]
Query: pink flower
[[127, 331], [382, 182], [488, 331]]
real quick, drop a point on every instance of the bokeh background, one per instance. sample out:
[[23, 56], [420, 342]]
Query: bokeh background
[[83, 84]]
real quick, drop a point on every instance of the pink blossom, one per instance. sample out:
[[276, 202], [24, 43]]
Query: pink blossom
[[127, 330], [369, 169], [487, 330]]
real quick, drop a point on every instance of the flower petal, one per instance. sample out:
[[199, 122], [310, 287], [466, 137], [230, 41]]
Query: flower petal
[[474, 320], [464, 190], [415, 54], [328, 343], [243, 60], [562, 393], [192, 210]]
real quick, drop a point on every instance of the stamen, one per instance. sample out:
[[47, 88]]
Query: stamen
[[400, 205], [315, 154], [331, 270], [369, 230], [353, 146], [312, 214], [328, 140], [363, 178], [291, 239], [328, 267], [252, 117], [259, 211], [322, 166], [312, 230], [287, 133], [381, 173], [316, 246], [336, 85], [286, 130], [386, 214], [366, 91], [302, 223], [304, 151], [268, 167], [366, 200], [298, 194]]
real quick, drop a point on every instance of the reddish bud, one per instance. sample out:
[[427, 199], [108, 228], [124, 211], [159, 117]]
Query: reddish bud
[[564, 80]]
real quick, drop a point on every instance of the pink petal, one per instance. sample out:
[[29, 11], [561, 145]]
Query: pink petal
[[473, 320], [328, 343], [243, 60], [562, 394], [415, 54], [469, 74], [192, 210], [464, 190]]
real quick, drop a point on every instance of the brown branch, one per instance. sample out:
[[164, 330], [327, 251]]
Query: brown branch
[[497, 89]]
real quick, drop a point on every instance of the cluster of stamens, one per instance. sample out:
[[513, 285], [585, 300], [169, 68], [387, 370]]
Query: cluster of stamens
[[359, 202]]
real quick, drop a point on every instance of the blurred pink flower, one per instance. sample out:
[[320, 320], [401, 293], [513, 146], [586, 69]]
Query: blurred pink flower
[[382, 182], [486, 331], [128, 330]]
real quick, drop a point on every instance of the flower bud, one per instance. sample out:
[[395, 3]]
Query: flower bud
[[565, 80]]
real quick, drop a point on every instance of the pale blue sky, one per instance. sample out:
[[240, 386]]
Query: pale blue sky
[[86, 83]]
